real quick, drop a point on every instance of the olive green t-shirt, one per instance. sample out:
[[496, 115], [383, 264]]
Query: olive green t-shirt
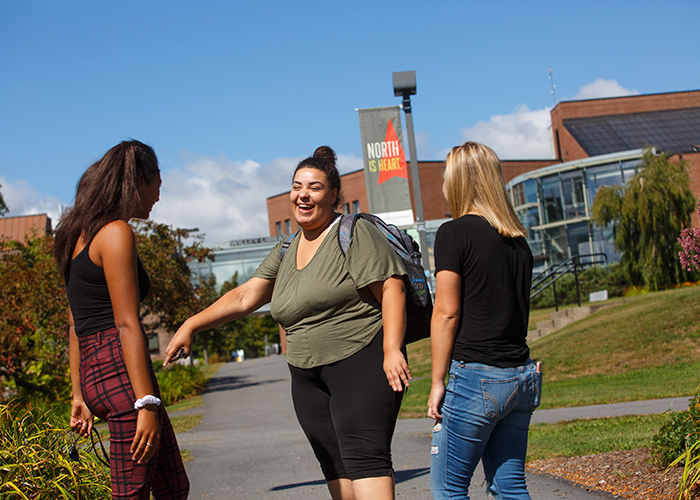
[[326, 308]]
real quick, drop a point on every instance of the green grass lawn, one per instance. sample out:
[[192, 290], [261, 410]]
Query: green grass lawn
[[590, 436], [646, 347]]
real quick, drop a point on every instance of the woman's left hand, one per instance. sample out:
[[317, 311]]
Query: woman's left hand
[[147, 438], [396, 369]]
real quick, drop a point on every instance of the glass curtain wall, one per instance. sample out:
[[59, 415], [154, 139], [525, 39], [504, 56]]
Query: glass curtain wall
[[554, 205]]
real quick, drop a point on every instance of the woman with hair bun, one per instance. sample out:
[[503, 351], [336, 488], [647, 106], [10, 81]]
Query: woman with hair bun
[[111, 371], [345, 321], [483, 269]]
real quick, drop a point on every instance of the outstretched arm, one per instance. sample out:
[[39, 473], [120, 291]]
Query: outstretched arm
[[235, 304]]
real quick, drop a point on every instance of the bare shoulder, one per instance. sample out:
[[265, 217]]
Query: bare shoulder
[[116, 240], [116, 232]]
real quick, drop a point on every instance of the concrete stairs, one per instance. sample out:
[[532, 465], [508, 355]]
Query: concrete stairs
[[560, 319]]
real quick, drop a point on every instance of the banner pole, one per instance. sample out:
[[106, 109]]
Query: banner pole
[[406, 91]]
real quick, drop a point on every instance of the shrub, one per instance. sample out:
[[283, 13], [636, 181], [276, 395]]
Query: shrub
[[678, 434], [590, 280], [34, 461], [178, 382]]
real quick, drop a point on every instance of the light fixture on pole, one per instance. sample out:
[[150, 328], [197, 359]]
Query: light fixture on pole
[[405, 86]]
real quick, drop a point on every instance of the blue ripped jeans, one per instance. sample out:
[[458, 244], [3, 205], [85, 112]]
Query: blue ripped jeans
[[485, 415]]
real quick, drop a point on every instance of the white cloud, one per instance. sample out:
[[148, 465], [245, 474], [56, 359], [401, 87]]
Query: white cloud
[[523, 134], [348, 163], [22, 199], [602, 88], [225, 199]]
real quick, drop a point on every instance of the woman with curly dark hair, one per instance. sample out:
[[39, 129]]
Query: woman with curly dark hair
[[345, 321]]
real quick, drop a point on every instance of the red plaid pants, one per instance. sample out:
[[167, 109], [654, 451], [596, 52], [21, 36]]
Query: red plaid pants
[[107, 391]]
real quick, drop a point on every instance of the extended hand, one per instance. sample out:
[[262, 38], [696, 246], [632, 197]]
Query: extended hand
[[181, 340]]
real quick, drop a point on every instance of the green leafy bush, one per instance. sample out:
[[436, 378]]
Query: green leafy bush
[[178, 382], [34, 460], [678, 435], [590, 280]]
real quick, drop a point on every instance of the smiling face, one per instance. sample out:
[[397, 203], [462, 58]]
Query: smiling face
[[312, 199], [150, 194]]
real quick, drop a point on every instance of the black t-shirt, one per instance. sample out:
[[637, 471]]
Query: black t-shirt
[[496, 274], [88, 295]]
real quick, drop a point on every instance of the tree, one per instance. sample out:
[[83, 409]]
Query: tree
[[3, 206], [646, 216], [34, 307], [247, 333], [33, 318], [174, 296]]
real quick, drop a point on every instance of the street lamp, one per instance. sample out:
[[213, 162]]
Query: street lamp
[[405, 86]]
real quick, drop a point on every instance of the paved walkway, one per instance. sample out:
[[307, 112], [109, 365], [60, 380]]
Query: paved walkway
[[250, 446]]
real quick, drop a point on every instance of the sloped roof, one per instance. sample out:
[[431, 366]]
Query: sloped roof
[[672, 131]]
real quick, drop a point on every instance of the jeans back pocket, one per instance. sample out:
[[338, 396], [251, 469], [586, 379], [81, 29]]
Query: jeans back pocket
[[499, 396]]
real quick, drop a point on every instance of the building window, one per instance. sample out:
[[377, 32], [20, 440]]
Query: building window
[[356, 207], [287, 226], [278, 228], [551, 194], [346, 208], [519, 195]]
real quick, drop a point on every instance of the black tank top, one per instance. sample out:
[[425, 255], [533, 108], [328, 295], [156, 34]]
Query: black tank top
[[88, 295]]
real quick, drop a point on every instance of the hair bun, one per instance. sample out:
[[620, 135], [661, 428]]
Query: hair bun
[[325, 153]]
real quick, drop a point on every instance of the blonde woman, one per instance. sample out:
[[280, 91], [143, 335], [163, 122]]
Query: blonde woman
[[483, 272]]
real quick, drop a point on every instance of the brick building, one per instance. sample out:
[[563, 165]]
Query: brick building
[[596, 142]]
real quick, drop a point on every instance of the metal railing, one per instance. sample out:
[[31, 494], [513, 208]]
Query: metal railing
[[572, 265]]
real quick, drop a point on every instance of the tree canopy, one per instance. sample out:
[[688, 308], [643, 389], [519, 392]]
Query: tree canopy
[[174, 295], [34, 307], [33, 317], [246, 333], [646, 217], [3, 205]]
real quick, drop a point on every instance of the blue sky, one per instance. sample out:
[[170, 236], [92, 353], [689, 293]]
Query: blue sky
[[232, 94]]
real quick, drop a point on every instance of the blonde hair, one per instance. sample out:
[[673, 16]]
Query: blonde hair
[[474, 183]]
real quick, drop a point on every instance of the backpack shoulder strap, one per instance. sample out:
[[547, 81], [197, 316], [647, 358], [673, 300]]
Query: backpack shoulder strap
[[286, 243], [346, 226]]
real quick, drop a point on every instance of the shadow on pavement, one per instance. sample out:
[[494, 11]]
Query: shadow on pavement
[[232, 383], [283, 487], [401, 476], [408, 474]]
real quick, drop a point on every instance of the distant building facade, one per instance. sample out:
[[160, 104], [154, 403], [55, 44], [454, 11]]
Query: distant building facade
[[24, 227], [595, 142]]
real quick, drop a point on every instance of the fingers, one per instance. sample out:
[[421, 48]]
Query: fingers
[[434, 413], [81, 427], [398, 378], [144, 449], [147, 437]]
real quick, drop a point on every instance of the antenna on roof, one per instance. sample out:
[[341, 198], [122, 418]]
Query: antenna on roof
[[551, 79]]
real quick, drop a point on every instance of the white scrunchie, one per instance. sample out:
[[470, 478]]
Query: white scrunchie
[[146, 400]]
